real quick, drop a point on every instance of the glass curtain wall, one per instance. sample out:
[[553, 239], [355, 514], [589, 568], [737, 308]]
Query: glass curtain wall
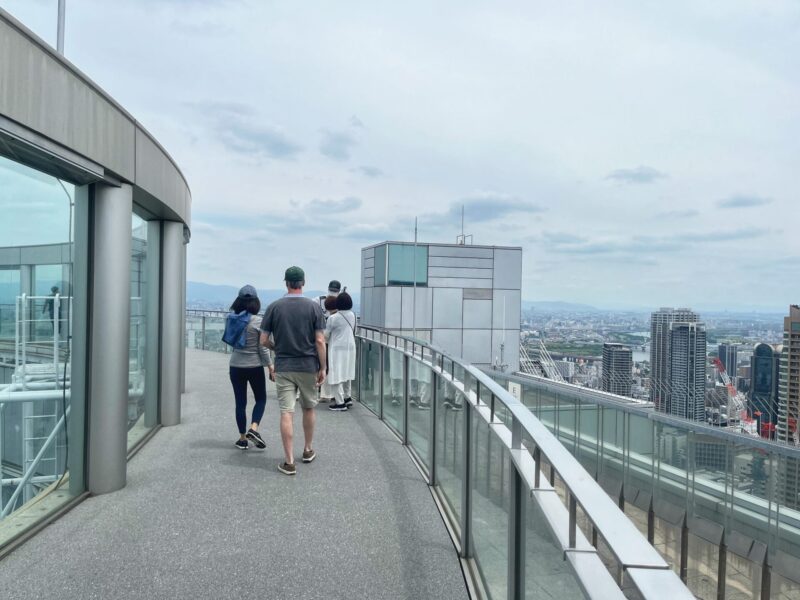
[[36, 233], [142, 393]]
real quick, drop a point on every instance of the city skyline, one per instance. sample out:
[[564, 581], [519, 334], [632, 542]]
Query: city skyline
[[642, 194]]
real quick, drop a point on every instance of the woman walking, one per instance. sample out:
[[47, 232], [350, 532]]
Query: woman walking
[[247, 366], [340, 333]]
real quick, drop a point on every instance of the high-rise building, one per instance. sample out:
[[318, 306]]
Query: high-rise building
[[687, 369], [660, 352], [462, 298], [617, 369], [729, 356], [789, 383], [764, 377]]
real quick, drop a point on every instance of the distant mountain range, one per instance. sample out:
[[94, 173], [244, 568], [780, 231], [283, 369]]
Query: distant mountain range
[[558, 307], [207, 295]]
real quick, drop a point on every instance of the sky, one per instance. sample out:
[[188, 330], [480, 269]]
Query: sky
[[642, 153]]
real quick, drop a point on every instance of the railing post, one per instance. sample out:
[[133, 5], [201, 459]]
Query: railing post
[[380, 380], [406, 395], [203, 332], [432, 437], [466, 483], [722, 567], [517, 530], [360, 371], [573, 519]]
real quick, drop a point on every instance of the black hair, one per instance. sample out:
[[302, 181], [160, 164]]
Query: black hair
[[249, 303], [344, 301], [295, 285], [330, 303]]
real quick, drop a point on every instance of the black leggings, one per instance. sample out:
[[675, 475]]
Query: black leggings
[[240, 377]]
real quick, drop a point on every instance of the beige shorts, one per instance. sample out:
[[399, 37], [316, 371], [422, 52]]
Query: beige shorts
[[289, 384]]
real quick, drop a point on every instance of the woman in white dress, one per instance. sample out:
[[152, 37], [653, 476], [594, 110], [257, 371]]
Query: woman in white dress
[[340, 334]]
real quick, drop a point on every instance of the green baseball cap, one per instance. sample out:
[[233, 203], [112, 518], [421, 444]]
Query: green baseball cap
[[294, 274]]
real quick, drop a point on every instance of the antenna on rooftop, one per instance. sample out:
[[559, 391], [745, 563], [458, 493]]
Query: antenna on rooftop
[[60, 32], [463, 239]]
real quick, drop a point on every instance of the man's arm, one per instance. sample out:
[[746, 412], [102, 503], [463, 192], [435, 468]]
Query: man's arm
[[322, 354], [265, 341]]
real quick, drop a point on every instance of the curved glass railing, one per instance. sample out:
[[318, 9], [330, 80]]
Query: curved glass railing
[[720, 506], [527, 519]]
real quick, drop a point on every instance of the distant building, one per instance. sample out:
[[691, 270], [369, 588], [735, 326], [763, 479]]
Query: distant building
[[687, 369], [660, 352], [566, 368], [764, 377], [789, 383], [617, 369], [466, 300], [729, 356]]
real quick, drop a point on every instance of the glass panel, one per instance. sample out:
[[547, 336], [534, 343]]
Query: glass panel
[[701, 576], [212, 339], [547, 409], [640, 452], [613, 438], [667, 540], [587, 451], [138, 423], [9, 290], [742, 578], [783, 588], [35, 372], [672, 450], [547, 574], [566, 422], [419, 416], [393, 383], [449, 444], [380, 266], [370, 375], [490, 500], [402, 266]]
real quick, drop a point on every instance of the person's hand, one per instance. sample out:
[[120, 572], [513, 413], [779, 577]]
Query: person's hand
[[272, 373], [320, 377]]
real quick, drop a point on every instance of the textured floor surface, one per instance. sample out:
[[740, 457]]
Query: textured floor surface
[[201, 519]]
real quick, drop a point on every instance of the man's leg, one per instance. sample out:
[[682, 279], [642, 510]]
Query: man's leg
[[309, 421], [287, 394]]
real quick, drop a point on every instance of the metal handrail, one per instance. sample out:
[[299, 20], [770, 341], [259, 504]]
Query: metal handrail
[[647, 570]]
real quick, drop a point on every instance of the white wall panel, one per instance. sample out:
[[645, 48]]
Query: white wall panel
[[460, 261], [449, 282], [367, 314], [424, 308], [510, 342], [447, 308], [512, 300], [465, 272], [393, 307], [460, 251], [477, 346], [478, 314], [508, 269], [448, 340]]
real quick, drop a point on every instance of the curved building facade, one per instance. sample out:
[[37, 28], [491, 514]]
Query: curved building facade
[[94, 222]]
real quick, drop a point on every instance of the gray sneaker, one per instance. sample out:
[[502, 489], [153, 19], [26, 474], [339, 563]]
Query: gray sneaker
[[309, 455], [287, 469]]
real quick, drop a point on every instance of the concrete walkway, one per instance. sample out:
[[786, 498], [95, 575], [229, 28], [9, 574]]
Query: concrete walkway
[[201, 519]]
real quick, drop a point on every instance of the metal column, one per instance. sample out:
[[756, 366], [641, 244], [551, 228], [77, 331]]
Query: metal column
[[109, 338], [153, 323], [172, 313]]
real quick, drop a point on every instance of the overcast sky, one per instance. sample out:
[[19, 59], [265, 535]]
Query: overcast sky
[[643, 153]]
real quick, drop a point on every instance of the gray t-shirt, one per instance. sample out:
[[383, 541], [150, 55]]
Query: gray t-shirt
[[293, 322], [253, 354]]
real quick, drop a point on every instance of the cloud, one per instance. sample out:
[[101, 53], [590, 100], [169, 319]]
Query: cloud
[[638, 175], [337, 145], [357, 123], [483, 207], [367, 171], [743, 201], [239, 129], [678, 214], [334, 206]]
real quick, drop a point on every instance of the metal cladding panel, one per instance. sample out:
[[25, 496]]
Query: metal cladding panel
[[447, 308], [461, 251], [10, 257], [157, 175], [393, 307], [478, 314], [367, 317], [477, 346], [508, 269], [448, 340], [41, 255], [512, 301], [424, 300], [421, 334], [368, 282], [449, 282], [457, 272], [368, 253], [459, 261], [378, 306], [509, 339]]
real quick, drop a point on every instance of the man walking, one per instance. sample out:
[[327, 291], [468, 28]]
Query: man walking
[[297, 327], [334, 288]]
